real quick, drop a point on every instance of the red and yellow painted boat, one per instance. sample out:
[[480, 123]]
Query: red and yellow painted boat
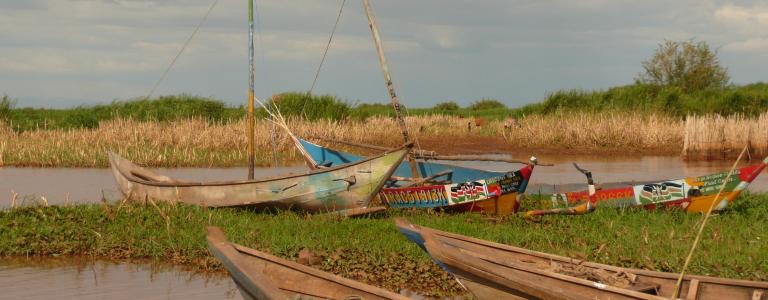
[[693, 194]]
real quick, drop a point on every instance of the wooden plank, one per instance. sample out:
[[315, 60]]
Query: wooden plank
[[757, 294], [693, 290]]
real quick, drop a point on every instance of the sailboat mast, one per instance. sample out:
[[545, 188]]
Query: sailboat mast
[[250, 119], [388, 82]]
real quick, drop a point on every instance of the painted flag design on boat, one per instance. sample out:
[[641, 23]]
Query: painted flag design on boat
[[467, 191], [664, 191]]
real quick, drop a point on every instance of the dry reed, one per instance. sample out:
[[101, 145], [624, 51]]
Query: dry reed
[[716, 137], [591, 131], [200, 143]]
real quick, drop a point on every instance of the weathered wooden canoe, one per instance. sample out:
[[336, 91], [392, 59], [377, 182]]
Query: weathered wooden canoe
[[344, 187], [693, 194], [464, 189], [497, 271], [262, 276]]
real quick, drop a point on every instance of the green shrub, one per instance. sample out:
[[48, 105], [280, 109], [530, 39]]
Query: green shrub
[[446, 106], [6, 106], [311, 107], [486, 104], [164, 108]]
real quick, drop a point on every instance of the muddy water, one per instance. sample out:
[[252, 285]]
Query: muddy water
[[613, 171], [74, 185], [52, 278], [82, 185]]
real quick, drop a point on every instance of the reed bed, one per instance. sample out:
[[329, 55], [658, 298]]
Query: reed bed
[[201, 143], [714, 136], [621, 131]]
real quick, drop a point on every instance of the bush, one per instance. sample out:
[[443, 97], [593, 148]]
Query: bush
[[749, 100], [311, 107], [6, 106], [165, 108], [446, 106], [486, 104]]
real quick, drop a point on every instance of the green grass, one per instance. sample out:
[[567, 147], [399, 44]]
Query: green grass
[[164, 108], [749, 100], [370, 249]]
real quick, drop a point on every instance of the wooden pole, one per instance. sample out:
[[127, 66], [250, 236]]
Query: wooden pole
[[388, 82], [703, 223], [250, 92]]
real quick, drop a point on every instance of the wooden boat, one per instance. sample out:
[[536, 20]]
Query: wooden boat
[[262, 276], [449, 187], [426, 184], [497, 271], [693, 194], [343, 187]]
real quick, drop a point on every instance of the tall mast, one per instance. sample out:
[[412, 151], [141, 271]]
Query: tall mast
[[250, 91], [388, 82]]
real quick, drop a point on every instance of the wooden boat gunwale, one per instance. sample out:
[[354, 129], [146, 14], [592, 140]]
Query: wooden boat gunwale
[[436, 249], [128, 174], [237, 254]]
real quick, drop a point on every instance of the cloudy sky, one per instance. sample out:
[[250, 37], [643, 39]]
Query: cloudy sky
[[57, 53]]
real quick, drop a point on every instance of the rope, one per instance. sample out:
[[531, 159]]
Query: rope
[[186, 43], [325, 54], [704, 223]]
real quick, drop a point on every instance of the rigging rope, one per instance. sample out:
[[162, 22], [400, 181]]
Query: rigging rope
[[325, 54], [186, 43]]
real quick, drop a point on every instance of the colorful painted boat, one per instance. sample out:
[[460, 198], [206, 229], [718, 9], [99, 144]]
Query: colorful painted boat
[[259, 275], [497, 271], [344, 187], [465, 189], [693, 194]]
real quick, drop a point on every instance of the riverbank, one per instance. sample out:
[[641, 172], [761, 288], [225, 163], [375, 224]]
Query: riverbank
[[201, 143], [373, 251]]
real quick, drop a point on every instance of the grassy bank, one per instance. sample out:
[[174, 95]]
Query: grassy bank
[[200, 143], [749, 100], [371, 249]]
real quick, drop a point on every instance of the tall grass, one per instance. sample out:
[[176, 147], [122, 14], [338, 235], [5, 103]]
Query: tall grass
[[197, 142], [621, 131], [714, 136]]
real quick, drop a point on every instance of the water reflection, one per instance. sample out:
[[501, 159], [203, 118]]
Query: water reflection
[[78, 185], [81, 278]]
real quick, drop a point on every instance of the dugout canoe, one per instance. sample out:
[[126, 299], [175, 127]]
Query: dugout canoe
[[497, 271], [346, 187], [450, 187], [693, 194], [259, 275]]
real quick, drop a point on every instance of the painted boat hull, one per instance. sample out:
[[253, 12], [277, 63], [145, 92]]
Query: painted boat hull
[[497, 271], [344, 187], [262, 276], [473, 190], [693, 194]]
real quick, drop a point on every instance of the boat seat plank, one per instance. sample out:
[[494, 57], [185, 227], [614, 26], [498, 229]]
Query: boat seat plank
[[693, 290], [758, 294]]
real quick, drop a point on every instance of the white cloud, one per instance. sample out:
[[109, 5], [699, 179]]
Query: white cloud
[[745, 18], [750, 45]]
